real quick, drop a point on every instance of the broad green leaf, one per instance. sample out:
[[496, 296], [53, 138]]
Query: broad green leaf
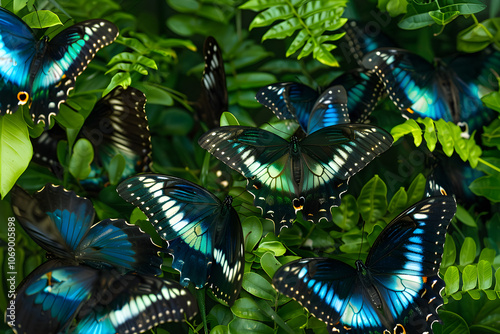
[[116, 168], [239, 325], [258, 5], [452, 323], [487, 186], [346, 215], [269, 263], [119, 79], [492, 100], [468, 251], [258, 286], [409, 126], [157, 94], [478, 36], [228, 119], [474, 151], [487, 254], [246, 308], [484, 274], [70, 119], [15, 150], [394, 7], [445, 136], [252, 232], [42, 19], [416, 189], [497, 279], [372, 202], [219, 329], [443, 18], [449, 252], [491, 135], [222, 314], [452, 279], [465, 217], [469, 277], [398, 201], [83, 154], [275, 247]]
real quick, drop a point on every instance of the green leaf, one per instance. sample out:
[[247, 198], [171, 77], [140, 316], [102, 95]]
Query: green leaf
[[246, 308], [158, 95], [42, 19], [497, 279], [269, 263], [83, 154], [346, 215], [258, 286], [372, 202], [491, 135], [487, 254], [398, 201], [465, 217], [449, 252], [116, 168], [252, 232], [445, 136], [452, 279], [416, 190], [487, 186], [409, 126], [15, 150], [477, 37], [239, 325], [119, 79], [228, 119], [492, 100], [469, 276], [468, 251], [394, 7], [484, 274], [452, 323], [275, 247], [429, 133]]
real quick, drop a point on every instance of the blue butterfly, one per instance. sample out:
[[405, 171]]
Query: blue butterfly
[[204, 234], [62, 223], [450, 91], [116, 125], [396, 290], [57, 298], [40, 73], [213, 99], [336, 105], [307, 175]]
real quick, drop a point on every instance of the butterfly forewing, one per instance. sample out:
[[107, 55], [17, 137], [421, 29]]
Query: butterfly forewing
[[330, 109], [204, 234]]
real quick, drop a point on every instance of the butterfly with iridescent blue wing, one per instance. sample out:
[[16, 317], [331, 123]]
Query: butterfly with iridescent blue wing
[[59, 298], [204, 234], [40, 73], [213, 99], [307, 175], [62, 223], [449, 91], [116, 125], [396, 290], [350, 98]]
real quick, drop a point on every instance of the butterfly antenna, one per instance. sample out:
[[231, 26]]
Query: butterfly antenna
[[362, 237]]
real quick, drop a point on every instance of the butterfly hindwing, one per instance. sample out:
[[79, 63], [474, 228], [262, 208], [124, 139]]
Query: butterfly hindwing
[[62, 223], [204, 234], [397, 289], [285, 177]]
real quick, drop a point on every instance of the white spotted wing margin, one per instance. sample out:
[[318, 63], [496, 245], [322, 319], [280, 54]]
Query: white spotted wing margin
[[309, 174], [397, 289], [204, 234]]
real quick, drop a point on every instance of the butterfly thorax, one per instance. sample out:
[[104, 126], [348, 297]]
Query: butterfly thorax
[[448, 89], [296, 160], [367, 283], [40, 51]]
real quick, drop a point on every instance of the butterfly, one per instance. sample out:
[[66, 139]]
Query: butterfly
[[116, 125], [204, 234], [396, 290], [40, 73], [59, 298], [213, 99], [307, 175], [62, 223], [450, 91], [355, 92]]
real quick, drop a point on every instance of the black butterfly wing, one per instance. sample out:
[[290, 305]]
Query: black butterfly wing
[[329, 109], [404, 262], [331, 291], [289, 100], [118, 125], [364, 89], [17, 51], [204, 234], [66, 57], [133, 304], [329, 157], [213, 99], [264, 159]]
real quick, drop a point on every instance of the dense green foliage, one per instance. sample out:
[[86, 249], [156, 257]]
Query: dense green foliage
[[266, 41]]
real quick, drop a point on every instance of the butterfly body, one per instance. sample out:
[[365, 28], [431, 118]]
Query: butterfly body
[[287, 176], [396, 290], [42, 72], [204, 234]]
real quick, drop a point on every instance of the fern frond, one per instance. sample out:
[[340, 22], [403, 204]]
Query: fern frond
[[310, 21]]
